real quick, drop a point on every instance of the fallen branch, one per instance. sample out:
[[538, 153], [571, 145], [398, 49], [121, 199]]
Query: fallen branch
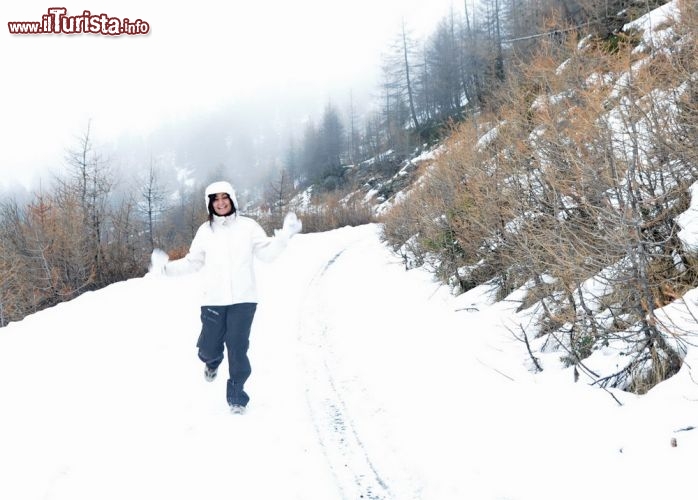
[[530, 353]]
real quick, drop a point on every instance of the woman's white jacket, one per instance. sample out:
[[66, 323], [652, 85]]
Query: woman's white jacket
[[224, 252]]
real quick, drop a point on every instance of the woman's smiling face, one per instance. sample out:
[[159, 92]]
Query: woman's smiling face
[[222, 204]]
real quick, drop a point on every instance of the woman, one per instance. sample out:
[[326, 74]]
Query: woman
[[223, 249]]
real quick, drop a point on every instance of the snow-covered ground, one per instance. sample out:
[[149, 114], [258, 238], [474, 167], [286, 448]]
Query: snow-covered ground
[[368, 381]]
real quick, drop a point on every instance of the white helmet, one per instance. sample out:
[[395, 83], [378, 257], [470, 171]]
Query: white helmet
[[221, 187]]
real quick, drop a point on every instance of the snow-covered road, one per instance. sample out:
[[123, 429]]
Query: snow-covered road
[[368, 382]]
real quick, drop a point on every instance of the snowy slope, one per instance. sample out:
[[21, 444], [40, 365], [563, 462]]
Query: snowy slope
[[368, 382]]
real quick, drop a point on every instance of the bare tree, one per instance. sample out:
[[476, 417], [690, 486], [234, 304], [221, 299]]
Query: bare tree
[[91, 179], [408, 80], [154, 198], [353, 138], [278, 195], [126, 255]]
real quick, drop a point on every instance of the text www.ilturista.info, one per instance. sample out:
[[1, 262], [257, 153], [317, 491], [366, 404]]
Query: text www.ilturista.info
[[56, 22]]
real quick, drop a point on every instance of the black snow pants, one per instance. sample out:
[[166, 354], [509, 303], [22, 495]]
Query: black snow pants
[[228, 326]]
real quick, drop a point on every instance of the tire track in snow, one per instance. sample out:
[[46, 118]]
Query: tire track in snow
[[346, 455]]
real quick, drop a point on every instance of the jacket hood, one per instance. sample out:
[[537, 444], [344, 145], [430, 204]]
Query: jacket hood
[[221, 187]]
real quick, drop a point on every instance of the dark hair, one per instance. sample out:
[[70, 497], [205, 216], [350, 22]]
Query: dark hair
[[211, 198]]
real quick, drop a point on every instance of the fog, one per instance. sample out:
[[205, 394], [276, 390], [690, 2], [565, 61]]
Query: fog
[[242, 141], [211, 88]]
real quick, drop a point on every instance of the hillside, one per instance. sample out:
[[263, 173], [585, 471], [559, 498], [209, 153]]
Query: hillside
[[573, 188]]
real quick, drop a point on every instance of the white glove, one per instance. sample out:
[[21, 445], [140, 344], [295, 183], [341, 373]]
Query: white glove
[[292, 225], [158, 260]]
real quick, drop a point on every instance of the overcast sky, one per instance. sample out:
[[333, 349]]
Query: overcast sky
[[196, 57]]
